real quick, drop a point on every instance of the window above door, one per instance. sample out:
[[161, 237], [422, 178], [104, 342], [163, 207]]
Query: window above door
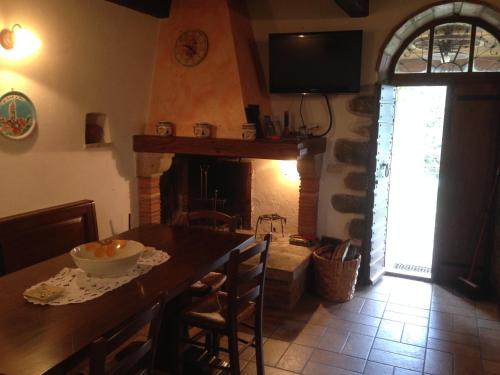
[[454, 47], [451, 40]]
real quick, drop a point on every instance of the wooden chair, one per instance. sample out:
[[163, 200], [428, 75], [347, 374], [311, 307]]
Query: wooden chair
[[212, 219], [135, 358], [222, 313], [32, 237], [217, 221]]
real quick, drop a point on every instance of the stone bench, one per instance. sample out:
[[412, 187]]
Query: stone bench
[[286, 275]]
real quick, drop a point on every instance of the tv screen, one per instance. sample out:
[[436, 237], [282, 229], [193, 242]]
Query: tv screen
[[322, 62]]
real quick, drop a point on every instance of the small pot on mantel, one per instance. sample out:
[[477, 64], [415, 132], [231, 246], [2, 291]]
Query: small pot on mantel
[[203, 130], [165, 128], [248, 132]]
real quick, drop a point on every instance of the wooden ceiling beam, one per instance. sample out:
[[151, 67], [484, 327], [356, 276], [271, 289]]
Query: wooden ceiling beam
[[155, 8], [355, 8]]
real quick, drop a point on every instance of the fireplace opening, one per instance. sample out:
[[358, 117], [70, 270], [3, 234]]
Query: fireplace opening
[[207, 183]]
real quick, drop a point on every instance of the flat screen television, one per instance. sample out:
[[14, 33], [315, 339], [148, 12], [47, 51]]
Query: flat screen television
[[319, 62]]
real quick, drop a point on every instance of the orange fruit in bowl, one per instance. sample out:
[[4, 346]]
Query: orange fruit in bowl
[[101, 249], [100, 252]]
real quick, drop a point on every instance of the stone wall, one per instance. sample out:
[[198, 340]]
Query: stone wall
[[353, 152]]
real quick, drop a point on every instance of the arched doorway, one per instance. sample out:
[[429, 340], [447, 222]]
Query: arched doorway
[[449, 53]]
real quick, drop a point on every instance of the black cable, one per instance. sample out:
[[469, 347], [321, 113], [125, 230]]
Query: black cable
[[329, 113], [331, 118], [300, 111]]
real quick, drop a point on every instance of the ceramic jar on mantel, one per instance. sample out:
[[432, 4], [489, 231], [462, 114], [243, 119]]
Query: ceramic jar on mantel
[[248, 131], [165, 128], [203, 130]]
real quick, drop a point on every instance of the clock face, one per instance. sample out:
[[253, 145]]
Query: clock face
[[191, 47]]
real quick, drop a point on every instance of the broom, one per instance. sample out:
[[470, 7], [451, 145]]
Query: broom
[[465, 285]]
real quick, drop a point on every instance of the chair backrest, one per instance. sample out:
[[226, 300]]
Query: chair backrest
[[246, 285], [32, 237], [212, 219], [142, 355]]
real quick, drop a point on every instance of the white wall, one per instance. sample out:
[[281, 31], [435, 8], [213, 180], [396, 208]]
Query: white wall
[[275, 190], [95, 57]]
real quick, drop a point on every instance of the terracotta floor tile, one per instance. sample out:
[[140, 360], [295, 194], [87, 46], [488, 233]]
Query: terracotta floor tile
[[464, 365], [397, 360], [460, 338], [374, 368], [422, 301], [487, 310], [313, 329], [414, 335], [371, 294], [358, 345], [333, 340], [287, 330], [354, 305], [338, 360], [390, 330], [344, 325], [441, 320], [399, 348], [274, 350], [438, 363], [445, 307], [455, 348], [488, 333], [315, 368], [491, 367], [307, 340], [490, 324], [373, 308], [403, 371], [357, 318], [490, 348], [251, 370], [405, 318], [295, 358], [464, 324], [423, 313]]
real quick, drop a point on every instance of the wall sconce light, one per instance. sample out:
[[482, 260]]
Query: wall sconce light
[[17, 43], [8, 37]]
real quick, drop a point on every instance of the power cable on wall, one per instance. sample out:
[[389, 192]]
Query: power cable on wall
[[330, 114]]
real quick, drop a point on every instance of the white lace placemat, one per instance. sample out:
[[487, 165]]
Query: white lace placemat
[[80, 287]]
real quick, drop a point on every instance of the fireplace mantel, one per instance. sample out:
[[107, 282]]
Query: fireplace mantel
[[258, 149]]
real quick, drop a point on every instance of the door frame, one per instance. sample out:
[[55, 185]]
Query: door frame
[[450, 81]]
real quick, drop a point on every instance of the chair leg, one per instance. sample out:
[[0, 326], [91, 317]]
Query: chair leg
[[259, 356], [216, 344], [183, 333], [234, 357]]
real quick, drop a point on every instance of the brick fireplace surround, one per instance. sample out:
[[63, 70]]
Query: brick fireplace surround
[[155, 153]]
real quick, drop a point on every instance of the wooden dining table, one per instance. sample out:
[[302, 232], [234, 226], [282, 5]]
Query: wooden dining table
[[36, 339]]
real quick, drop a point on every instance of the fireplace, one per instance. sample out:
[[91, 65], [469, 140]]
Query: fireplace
[[156, 154], [197, 182]]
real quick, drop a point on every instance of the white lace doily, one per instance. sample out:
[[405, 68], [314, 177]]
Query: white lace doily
[[80, 287]]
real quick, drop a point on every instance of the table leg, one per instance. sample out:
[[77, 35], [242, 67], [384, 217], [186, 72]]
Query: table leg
[[167, 353]]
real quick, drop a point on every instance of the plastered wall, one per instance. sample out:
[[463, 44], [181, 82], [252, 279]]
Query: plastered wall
[[95, 57]]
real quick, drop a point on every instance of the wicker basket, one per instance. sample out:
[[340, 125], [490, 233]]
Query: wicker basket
[[335, 279]]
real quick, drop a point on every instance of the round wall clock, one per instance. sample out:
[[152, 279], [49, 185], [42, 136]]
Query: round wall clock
[[17, 115], [191, 47]]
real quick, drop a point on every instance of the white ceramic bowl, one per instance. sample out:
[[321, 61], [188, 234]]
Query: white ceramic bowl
[[107, 264]]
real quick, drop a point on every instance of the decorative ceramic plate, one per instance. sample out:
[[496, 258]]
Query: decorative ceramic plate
[[17, 115]]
